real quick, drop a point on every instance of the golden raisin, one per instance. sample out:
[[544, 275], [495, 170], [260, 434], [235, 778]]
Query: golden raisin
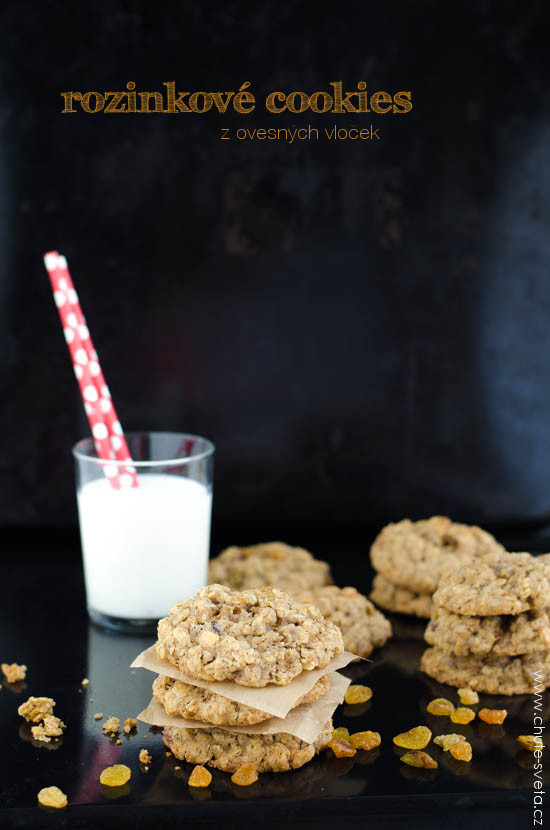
[[530, 742], [342, 748], [365, 740], [468, 696], [200, 777], [245, 775], [462, 715], [419, 759], [446, 741], [358, 694], [52, 797], [116, 775], [341, 733], [416, 738], [461, 750], [492, 715], [440, 706]]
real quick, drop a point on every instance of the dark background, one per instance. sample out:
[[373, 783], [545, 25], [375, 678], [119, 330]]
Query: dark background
[[362, 328]]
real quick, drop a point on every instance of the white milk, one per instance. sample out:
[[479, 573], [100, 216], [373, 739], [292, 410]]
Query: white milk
[[146, 547]]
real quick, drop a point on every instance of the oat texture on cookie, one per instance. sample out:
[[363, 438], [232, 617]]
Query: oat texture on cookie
[[252, 637], [273, 564], [363, 627], [490, 626]]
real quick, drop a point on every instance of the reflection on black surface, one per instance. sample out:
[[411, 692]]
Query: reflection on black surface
[[401, 693]]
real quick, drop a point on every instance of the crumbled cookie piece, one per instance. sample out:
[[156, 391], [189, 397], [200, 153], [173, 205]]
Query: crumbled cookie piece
[[272, 563], [253, 637], [13, 672], [111, 726], [144, 757], [98, 716], [39, 734], [52, 797], [85, 682], [129, 724], [52, 727], [35, 709]]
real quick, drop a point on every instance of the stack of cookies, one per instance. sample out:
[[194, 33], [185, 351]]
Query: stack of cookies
[[490, 625], [409, 557], [308, 579], [257, 639]]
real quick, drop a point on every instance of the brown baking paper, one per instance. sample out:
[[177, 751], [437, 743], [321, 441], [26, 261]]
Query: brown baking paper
[[306, 722], [273, 699]]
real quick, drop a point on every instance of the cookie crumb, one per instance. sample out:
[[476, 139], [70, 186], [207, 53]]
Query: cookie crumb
[[144, 757], [168, 754], [35, 709], [129, 724], [98, 716], [13, 672], [52, 797], [111, 726], [51, 728], [118, 742], [39, 734], [177, 767], [85, 682], [91, 700]]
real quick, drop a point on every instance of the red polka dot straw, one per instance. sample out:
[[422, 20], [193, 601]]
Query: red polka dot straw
[[106, 429]]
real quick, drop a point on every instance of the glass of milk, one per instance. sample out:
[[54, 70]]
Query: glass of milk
[[146, 547]]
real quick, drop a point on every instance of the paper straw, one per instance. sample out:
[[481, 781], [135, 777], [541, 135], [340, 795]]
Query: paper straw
[[105, 426]]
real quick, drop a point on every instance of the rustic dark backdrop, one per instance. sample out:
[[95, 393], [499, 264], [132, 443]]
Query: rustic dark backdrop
[[362, 328]]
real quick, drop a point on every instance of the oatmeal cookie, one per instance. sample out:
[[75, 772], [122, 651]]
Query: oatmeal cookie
[[252, 637], [229, 750], [499, 635], [179, 698], [363, 627], [271, 563], [508, 583], [412, 554], [493, 675], [399, 600]]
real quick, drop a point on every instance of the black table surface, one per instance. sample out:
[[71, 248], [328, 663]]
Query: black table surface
[[44, 625]]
